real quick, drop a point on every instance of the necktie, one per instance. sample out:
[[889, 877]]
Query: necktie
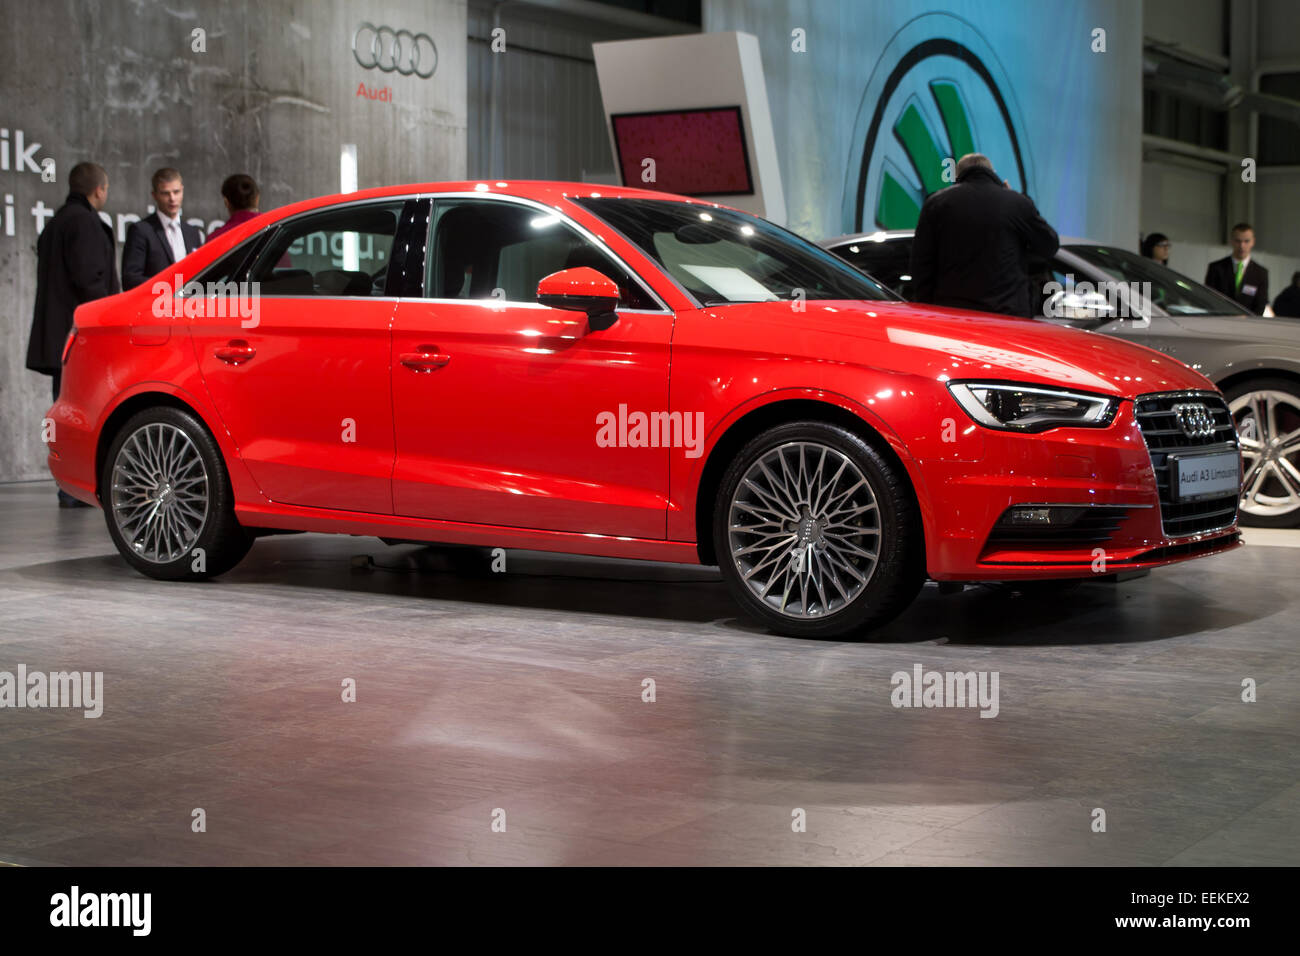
[[175, 239], [1241, 267]]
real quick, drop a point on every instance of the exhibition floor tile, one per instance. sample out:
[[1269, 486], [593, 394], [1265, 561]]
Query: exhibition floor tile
[[583, 711]]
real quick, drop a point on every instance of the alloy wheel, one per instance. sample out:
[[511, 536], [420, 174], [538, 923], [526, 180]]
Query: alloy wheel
[[1268, 429], [804, 529], [159, 496]]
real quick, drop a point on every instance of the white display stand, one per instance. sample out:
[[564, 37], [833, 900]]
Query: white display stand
[[694, 71]]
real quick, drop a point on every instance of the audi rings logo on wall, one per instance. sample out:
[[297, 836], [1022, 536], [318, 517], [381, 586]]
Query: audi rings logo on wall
[[395, 51]]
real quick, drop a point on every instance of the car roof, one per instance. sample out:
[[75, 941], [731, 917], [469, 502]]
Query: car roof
[[884, 235], [879, 235], [544, 191]]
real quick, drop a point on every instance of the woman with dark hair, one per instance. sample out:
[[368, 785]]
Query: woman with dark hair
[[1156, 246], [241, 196]]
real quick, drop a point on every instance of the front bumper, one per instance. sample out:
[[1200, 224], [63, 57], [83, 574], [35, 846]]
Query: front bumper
[[1105, 468]]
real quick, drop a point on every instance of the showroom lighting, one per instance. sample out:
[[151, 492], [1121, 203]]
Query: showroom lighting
[[746, 230], [542, 222], [348, 168], [481, 188], [348, 184], [706, 217]]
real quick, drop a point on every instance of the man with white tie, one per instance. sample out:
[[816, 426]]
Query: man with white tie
[[161, 238]]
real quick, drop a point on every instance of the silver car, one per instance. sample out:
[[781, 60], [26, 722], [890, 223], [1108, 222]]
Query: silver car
[[1255, 361]]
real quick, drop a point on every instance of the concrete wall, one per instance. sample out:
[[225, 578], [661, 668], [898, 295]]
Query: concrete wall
[[1195, 25], [548, 123], [274, 94]]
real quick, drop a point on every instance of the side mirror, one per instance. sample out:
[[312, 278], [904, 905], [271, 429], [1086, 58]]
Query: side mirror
[[1088, 306], [581, 290]]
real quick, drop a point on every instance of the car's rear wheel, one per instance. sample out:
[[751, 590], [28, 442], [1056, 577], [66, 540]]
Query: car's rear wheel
[[167, 498], [1266, 412], [817, 533]]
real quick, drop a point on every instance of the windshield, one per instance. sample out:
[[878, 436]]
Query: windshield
[[721, 256], [1171, 291]]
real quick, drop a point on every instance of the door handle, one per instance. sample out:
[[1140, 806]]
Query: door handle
[[235, 351], [425, 359]]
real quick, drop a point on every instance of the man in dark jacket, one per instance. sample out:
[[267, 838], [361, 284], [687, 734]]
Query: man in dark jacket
[[1237, 276], [974, 241], [1287, 302], [160, 238], [74, 264]]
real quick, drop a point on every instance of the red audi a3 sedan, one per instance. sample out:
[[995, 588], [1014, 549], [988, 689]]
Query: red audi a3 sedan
[[616, 372]]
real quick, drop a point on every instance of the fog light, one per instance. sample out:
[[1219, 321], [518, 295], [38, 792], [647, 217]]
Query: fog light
[[1024, 517]]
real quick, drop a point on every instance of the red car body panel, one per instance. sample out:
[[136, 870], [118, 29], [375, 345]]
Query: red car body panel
[[475, 422]]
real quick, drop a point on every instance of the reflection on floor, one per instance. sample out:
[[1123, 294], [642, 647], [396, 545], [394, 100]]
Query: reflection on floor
[[518, 697]]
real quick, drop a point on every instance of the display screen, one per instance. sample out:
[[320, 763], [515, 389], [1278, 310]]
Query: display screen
[[695, 152]]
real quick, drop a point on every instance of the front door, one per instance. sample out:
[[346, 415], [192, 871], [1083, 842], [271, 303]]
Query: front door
[[499, 402]]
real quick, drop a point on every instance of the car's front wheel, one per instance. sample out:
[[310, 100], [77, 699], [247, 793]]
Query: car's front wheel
[[1266, 412], [817, 533], [167, 498]]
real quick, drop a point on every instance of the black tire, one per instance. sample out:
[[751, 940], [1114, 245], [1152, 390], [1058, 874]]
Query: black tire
[[892, 531], [223, 542], [1259, 517]]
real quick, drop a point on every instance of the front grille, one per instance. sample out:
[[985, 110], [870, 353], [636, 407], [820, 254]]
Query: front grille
[[1163, 435]]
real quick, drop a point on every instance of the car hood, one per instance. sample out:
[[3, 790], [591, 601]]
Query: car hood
[[1245, 327], [955, 344]]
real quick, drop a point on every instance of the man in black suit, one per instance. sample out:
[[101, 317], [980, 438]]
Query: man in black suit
[[74, 264], [975, 240], [161, 238], [1241, 280], [1288, 301]]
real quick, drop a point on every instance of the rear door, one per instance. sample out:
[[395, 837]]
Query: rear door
[[303, 385]]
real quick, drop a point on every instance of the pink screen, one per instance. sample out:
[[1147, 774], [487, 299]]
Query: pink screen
[[696, 153]]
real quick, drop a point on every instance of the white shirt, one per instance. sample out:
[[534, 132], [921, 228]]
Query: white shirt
[[172, 230]]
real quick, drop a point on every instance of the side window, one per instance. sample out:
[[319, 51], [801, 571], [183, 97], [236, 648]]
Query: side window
[[337, 252], [232, 266], [480, 246]]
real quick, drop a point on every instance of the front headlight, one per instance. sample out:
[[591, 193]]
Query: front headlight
[[1024, 408]]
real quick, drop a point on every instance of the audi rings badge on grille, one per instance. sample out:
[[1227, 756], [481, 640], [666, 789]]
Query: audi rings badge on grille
[[395, 51], [1194, 419]]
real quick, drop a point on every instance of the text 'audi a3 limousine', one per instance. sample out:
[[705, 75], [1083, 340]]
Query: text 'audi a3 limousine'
[[629, 374]]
